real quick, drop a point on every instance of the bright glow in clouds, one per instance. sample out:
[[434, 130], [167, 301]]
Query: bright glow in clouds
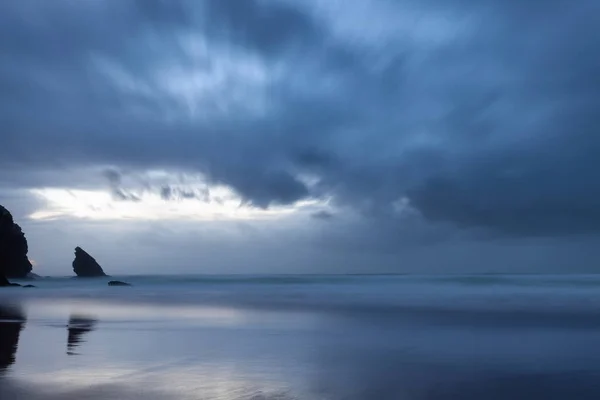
[[100, 205], [155, 195]]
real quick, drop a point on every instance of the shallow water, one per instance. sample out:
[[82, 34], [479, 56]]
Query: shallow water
[[303, 337]]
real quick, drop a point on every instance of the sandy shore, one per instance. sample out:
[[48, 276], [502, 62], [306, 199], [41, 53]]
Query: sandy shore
[[61, 348]]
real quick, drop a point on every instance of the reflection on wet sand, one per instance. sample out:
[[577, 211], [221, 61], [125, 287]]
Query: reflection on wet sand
[[78, 327], [12, 321], [350, 356]]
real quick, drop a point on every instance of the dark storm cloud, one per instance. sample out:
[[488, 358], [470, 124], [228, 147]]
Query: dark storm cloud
[[481, 114], [113, 176], [270, 27], [173, 193], [115, 181], [323, 215]]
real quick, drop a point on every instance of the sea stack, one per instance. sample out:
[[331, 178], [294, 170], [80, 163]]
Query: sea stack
[[13, 248], [86, 266]]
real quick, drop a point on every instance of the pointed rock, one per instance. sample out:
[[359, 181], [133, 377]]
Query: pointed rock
[[85, 265]]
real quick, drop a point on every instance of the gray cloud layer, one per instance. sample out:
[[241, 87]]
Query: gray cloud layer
[[481, 114]]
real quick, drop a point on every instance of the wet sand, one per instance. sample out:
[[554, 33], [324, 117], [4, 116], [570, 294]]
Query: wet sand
[[73, 348]]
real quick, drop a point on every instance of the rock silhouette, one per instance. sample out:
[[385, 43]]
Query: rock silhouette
[[118, 283], [4, 282], [12, 321], [13, 248], [85, 265], [77, 328]]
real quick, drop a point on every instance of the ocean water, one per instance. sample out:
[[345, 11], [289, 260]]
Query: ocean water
[[330, 337]]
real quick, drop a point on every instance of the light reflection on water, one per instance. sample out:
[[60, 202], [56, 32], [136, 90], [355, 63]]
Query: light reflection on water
[[101, 350]]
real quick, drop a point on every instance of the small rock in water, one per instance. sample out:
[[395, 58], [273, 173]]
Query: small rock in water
[[118, 283], [29, 286]]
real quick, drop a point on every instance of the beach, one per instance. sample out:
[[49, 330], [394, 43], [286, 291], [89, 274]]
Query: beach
[[303, 337]]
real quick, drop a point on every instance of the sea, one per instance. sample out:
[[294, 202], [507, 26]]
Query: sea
[[302, 337]]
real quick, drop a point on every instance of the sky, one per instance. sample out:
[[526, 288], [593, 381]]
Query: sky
[[303, 136]]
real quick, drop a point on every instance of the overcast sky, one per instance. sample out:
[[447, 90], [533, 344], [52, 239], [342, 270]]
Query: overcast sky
[[303, 135]]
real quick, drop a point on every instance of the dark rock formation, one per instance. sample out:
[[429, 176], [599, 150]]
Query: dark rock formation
[[13, 248], [29, 286], [4, 282], [118, 283], [85, 265], [78, 327], [11, 324]]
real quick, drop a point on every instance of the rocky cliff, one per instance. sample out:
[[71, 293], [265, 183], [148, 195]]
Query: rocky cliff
[[13, 248]]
